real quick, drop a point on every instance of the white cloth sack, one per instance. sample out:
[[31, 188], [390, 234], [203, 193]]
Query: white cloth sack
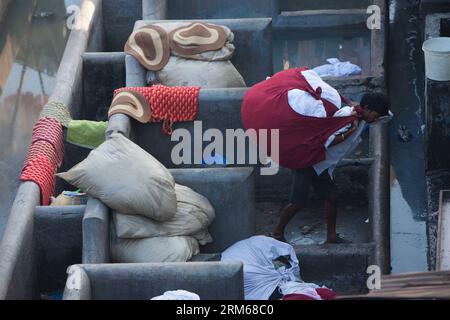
[[336, 68], [194, 214], [127, 179], [205, 74], [178, 295], [162, 249], [261, 278]]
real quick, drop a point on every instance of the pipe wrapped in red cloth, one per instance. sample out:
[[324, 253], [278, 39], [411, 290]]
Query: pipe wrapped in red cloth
[[169, 104]]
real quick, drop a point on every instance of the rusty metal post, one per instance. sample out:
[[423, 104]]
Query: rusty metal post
[[379, 196]]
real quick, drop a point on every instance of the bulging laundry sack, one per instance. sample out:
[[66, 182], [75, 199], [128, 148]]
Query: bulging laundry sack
[[262, 273], [127, 179], [194, 214], [161, 249]]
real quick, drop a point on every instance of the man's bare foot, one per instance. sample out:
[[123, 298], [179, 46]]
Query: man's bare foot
[[338, 239]]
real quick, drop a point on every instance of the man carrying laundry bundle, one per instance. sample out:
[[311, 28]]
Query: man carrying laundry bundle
[[317, 128]]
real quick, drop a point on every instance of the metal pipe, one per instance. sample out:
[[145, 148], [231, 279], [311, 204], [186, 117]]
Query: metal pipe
[[356, 162], [154, 9], [379, 196]]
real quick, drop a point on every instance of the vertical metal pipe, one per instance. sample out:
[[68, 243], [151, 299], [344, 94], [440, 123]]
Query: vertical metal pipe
[[154, 9], [379, 196]]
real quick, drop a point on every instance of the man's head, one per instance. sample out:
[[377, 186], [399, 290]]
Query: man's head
[[375, 105]]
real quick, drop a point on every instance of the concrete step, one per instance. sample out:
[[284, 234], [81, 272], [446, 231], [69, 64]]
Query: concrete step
[[301, 20], [340, 267], [295, 5]]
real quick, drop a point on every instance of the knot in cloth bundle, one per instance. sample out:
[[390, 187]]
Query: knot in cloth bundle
[[168, 104], [150, 46], [197, 38]]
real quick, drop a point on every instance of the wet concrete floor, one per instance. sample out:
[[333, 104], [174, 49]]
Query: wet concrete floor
[[406, 88]]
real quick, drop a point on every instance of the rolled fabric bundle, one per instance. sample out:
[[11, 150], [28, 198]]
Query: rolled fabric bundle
[[150, 46], [169, 104], [50, 130], [42, 172], [131, 103], [196, 38]]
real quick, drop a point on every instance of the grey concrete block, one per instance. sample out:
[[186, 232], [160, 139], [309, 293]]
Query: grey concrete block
[[253, 42], [96, 233], [58, 241], [210, 280], [438, 125], [231, 192], [219, 9], [339, 267], [118, 19], [107, 69]]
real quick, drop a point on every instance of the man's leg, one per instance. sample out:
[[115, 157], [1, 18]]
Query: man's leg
[[299, 194], [326, 188], [286, 216], [331, 213]]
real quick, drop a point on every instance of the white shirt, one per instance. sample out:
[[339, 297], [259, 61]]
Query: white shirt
[[305, 104]]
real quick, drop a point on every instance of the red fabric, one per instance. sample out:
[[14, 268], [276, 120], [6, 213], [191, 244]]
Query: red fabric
[[40, 148], [302, 138], [326, 294], [41, 171], [50, 130], [170, 104], [296, 296]]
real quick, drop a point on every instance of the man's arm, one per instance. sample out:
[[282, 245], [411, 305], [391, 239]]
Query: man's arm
[[342, 137]]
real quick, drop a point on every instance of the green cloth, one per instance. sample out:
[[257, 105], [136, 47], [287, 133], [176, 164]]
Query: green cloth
[[86, 134]]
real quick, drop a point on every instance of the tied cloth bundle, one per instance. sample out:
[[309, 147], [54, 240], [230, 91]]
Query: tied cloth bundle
[[151, 44], [167, 104], [197, 38], [44, 156]]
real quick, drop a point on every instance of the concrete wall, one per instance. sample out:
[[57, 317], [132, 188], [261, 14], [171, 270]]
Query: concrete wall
[[118, 21], [215, 9], [58, 243], [211, 280]]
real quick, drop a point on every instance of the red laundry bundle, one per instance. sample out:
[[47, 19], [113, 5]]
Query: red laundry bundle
[[41, 171], [301, 138], [324, 293], [50, 130], [170, 104]]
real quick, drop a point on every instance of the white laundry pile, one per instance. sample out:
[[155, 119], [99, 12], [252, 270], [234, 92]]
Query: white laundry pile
[[264, 271], [336, 68], [177, 295]]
